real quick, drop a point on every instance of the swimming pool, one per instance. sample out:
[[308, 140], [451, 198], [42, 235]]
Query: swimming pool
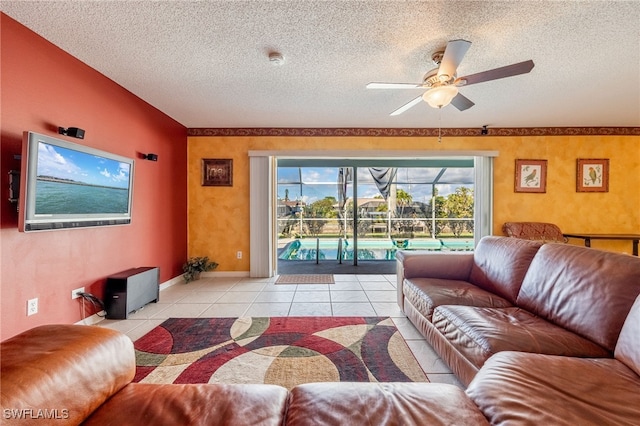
[[378, 249]]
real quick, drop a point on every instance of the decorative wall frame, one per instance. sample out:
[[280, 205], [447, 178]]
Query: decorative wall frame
[[592, 175], [217, 172], [531, 176]]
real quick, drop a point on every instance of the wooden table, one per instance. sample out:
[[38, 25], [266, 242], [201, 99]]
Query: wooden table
[[588, 237]]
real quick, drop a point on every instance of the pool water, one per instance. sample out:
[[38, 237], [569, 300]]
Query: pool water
[[382, 249]]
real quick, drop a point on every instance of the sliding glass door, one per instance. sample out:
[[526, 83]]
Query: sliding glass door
[[310, 218], [356, 211]]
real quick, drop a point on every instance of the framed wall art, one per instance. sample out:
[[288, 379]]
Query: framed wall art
[[217, 172], [531, 176], [592, 175]]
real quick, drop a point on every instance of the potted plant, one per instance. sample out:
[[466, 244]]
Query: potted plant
[[196, 265]]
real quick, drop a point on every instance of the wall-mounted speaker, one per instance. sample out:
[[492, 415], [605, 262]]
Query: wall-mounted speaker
[[74, 132]]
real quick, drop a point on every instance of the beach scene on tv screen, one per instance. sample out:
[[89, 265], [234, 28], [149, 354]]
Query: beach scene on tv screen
[[74, 182]]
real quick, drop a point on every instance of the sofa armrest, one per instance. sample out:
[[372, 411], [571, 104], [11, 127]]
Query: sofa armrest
[[415, 264], [62, 372], [448, 266]]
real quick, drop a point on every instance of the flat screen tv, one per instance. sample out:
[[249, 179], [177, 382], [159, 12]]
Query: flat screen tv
[[66, 185]]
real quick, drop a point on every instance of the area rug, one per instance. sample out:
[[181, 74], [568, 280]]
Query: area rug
[[279, 350], [306, 279]]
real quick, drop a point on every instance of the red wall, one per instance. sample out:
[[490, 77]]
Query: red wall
[[43, 88]]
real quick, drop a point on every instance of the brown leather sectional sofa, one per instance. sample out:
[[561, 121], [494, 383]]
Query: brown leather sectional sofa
[[540, 333], [72, 374]]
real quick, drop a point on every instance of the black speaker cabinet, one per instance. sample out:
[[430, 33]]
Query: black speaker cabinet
[[130, 290]]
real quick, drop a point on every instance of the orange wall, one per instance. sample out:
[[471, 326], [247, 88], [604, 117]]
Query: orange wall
[[219, 216], [43, 88]]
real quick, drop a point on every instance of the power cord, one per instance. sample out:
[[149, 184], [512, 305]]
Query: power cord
[[97, 303]]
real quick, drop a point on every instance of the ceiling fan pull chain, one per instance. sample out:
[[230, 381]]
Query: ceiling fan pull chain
[[440, 125]]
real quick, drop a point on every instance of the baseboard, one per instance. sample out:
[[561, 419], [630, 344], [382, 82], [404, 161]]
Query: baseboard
[[99, 316], [179, 280], [93, 319], [242, 274], [173, 281]]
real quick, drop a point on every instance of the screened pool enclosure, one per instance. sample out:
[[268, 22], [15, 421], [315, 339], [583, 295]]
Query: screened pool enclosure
[[350, 210]]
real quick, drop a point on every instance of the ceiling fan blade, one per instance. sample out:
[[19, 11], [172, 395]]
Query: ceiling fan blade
[[496, 73], [461, 102], [453, 54], [394, 86], [408, 105]]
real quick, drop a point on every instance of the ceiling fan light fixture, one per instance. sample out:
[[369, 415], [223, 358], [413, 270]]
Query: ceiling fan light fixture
[[440, 96]]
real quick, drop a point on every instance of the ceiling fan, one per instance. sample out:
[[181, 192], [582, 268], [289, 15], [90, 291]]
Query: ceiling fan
[[442, 83]]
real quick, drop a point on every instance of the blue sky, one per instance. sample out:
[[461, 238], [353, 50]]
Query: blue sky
[[66, 163]]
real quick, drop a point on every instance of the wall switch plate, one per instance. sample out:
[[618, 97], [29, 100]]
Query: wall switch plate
[[32, 306], [74, 293], [239, 254]]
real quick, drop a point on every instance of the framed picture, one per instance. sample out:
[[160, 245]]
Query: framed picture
[[531, 176], [217, 172], [592, 175]]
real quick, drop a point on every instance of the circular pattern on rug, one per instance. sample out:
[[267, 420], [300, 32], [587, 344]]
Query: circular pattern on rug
[[286, 351], [266, 366]]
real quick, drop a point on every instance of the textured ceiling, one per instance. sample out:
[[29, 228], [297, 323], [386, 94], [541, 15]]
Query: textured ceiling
[[205, 63]]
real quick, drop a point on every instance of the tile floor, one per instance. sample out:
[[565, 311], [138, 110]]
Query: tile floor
[[361, 295]]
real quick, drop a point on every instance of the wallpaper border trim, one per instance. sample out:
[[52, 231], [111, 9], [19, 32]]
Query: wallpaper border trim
[[416, 132]]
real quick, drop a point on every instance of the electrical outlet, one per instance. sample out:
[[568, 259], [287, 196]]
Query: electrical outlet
[[74, 293], [32, 306], [239, 254]]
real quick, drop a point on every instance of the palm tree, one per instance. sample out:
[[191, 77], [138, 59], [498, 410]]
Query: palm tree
[[403, 200]]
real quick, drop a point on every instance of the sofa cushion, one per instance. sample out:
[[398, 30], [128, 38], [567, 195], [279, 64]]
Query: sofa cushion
[[478, 333], [69, 370], [587, 291], [425, 294], [500, 264], [533, 389], [194, 404], [628, 347], [381, 404]]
